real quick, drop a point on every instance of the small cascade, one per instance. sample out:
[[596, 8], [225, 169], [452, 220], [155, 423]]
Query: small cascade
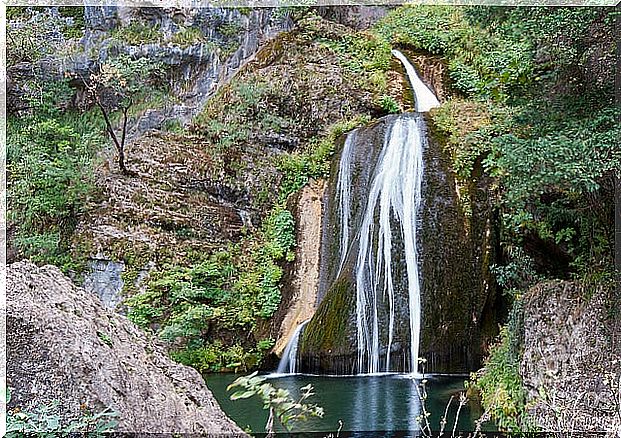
[[423, 96], [289, 361]]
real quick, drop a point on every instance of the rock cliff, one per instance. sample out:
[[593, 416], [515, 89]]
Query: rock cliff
[[63, 345], [572, 358]]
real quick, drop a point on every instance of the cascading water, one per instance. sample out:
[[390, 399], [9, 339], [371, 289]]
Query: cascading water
[[392, 208], [423, 96], [289, 361]]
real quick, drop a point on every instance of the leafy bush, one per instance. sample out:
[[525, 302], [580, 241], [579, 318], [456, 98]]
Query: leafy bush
[[389, 104], [45, 421], [282, 407], [500, 385], [49, 164]]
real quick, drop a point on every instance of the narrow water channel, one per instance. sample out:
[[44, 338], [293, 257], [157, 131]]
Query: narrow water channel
[[370, 403]]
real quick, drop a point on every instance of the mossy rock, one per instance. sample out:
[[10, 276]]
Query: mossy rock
[[329, 330]]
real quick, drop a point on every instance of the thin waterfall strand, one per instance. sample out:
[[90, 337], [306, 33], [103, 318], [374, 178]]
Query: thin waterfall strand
[[344, 193], [289, 361]]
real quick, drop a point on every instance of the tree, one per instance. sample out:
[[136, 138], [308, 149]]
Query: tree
[[116, 87]]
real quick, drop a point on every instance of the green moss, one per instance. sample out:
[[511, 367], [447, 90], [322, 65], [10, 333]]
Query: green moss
[[329, 328]]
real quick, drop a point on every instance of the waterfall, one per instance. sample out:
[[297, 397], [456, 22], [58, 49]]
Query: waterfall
[[289, 361], [344, 194], [391, 212], [423, 96]]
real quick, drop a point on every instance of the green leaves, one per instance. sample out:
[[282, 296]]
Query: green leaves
[[45, 421], [501, 386], [277, 400], [49, 161], [480, 64]]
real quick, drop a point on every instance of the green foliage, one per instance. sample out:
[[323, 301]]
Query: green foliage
[[479, 63], [76, 13], [226, 125], [45, 421], [216, 357], [550, 147], [500, 385], [137, 33], [299, 168], [518, 274], [282, 407], [187, 36], [49, 164], [365, 56], [122, 81], [389, 104], [227, 291]]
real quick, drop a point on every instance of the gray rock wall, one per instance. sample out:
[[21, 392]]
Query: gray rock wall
[[571, 365], [64, 345]]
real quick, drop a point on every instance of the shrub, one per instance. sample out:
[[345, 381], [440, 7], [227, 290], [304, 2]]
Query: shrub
[[49, 163], [45, 420], [281, 406], [500, 385]]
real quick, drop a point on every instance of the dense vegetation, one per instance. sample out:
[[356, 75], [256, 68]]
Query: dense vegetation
[[531, 108]]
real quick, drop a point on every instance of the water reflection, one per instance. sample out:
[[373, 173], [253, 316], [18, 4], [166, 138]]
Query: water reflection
[[369, 403]]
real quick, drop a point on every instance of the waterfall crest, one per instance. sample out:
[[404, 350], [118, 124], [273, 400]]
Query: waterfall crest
[[423, 96]]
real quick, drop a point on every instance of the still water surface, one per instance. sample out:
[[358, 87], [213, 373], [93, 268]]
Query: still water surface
[[368, 403]]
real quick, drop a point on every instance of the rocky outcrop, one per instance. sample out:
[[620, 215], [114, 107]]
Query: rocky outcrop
[[304, 283], [455, 252], [355, 16], [63, 345], [572, 357]]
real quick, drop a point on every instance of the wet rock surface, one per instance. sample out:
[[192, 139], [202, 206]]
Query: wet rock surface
[[455, 252], [571, 366], [63, 345]]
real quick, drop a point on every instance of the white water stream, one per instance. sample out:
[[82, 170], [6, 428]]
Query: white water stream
[[394, 198], [395, 194], [289, 361]]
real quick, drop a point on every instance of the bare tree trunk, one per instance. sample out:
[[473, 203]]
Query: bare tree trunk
[[120, 145]]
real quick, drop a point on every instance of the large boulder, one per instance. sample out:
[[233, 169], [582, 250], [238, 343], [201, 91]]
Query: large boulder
[[64, 345], [571, 366]]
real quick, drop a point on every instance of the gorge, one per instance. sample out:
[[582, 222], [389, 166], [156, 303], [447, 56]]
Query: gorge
[[343, 190]]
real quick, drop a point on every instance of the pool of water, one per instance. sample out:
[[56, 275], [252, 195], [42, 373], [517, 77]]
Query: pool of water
[[363, 403]]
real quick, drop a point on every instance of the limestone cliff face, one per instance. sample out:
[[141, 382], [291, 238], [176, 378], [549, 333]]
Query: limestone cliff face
[[572, 357], [63, 345], [303, 285]]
